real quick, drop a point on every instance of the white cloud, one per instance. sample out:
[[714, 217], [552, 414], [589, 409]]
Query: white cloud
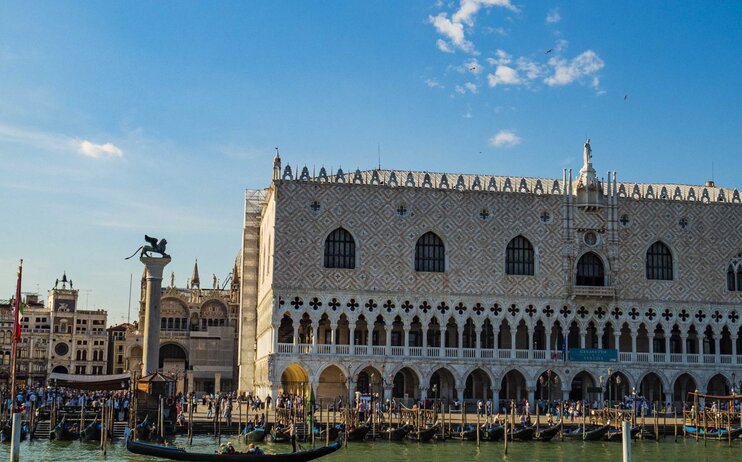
[[96, 151], [467, 114], [504, 75], [432, 83], [566, 72], [501, 57], [453, 29], [531, 68], [505, 139], [443, 46], [553, 16], [471, 87], [460, 90]]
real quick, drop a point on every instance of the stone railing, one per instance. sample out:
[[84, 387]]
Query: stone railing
[[490, 353]]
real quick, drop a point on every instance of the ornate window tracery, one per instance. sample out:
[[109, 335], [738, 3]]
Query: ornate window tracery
[[340, 250], [430, 254], [659, 262], [519, 257]]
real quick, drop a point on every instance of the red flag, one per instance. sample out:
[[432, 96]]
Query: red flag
[[18, 305]]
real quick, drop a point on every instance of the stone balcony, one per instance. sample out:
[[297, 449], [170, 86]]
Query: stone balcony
[[594, 292], [499, 354]]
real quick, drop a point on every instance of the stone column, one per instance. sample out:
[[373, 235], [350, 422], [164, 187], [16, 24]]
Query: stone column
[[717, 348], [217, 382], [513, 331], [423, 393], [668, 397], [296, 335], [406, 340], [460, 340], [583, 336], [333, 338], [600, 341], [532, 399], [315, 334], [634, 333], [388, 334], [684, 345], [650, 336], [734, 349], [667, 348], [151, 348], [617, 340], [548, 344]]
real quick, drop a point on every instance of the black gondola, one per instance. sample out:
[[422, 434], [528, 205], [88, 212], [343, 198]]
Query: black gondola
[[62, 431], [321, 433], [597, 434], [92, 432], [547, 433], [358, 433], [6, 433], [522, 434], [424, 435], [280, 435], [396, 434], [494, 432], [617, 435], [171, 453]]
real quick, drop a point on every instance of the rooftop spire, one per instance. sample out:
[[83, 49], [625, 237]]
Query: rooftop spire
[[195, 281]]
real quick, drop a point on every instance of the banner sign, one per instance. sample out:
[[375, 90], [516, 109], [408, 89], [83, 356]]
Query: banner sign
[[593, 354]]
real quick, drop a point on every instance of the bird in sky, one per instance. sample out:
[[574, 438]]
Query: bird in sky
[[625, 97], [472, 68], [549, 51]]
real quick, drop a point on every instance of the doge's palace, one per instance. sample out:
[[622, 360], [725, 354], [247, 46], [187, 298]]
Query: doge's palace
[[452, 286]]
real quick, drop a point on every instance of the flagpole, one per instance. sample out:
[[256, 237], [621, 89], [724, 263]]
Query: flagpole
[[15, 440], [16, 338]]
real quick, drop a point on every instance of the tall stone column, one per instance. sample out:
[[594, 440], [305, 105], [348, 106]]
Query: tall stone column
[[217, 382], [151, 348]]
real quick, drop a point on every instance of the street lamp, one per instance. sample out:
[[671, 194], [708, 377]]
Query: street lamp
[[610, 377], [601, 380]]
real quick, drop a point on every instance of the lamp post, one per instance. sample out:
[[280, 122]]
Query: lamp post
[[435, 397], [610, 377], [601, 379]]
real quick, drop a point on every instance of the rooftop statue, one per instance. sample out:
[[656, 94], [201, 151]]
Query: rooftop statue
[[154, 245], [587, 153]]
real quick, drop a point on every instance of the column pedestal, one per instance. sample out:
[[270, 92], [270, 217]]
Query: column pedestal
[[151, 347]]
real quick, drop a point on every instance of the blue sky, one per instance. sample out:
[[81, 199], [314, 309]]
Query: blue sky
[[120, 118]]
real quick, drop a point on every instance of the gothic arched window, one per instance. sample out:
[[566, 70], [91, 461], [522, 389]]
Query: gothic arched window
[[590, 271], [731, 283], [519, 257], [340, 250], [430, 254], [659, 262]]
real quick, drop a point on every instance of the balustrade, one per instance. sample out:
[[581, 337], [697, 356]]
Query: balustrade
[[709, 359], [342, 349], [396, 351], [659, 357], [642, 357], [416, 352], [676, 358], [538, 354], [324, 349], [521, 354], [469, 352], [692, 358], [378, 350], [452, 352]]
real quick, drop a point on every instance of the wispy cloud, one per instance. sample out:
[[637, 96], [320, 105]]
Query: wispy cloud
[[564, 71], [452, 29], [553, 16], [432, 83], [57, 142], [505, 139], [97, 151]]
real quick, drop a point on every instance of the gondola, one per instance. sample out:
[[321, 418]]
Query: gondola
[[597, 434], [256, 435], [321, 433], [616, 436], [424, 435], [165, 452], [522, 434], [358, 433], [92, 432], [466, 432], [547, 433], [6, 433], [494, 432], [281, 435], [713, 433], [396, 434], [62, 432]]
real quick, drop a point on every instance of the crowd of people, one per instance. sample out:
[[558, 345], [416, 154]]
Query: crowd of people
[[36, 398]]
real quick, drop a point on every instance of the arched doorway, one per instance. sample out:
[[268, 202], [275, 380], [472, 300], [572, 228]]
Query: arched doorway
[[443, 385], [548, 389], [173, 362], [684, 384], [286, 330], [513, 386], [406, 385], [590, 271], [60, 370], [295, 381], [369, 382], [616, 387], [580, 387], [478, 386], [332, 385], [718, 385], [651, 389]]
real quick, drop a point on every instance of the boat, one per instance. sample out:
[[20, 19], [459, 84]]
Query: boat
[[281, 434], [494, 432], [597, 434], [92, 432], [522, 433], [396, 434], [255, 436], [173, 453], [713, 433], [321, 433], [358, 433], [424, 435], [62, 431], [6, 433], [547, 433], [617, 435], [467, 432]]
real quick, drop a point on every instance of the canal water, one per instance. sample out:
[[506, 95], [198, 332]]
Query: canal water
[[456, 451]]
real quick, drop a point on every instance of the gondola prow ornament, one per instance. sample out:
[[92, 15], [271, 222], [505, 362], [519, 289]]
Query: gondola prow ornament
[[153, 245]]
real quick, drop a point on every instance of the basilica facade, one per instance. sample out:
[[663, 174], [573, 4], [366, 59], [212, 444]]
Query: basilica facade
[[429, 285]]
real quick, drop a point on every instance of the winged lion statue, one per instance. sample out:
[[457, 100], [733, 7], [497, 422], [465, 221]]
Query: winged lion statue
[[153, 245]]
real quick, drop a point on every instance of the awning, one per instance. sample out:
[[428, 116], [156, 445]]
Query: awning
[[92, 382]]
